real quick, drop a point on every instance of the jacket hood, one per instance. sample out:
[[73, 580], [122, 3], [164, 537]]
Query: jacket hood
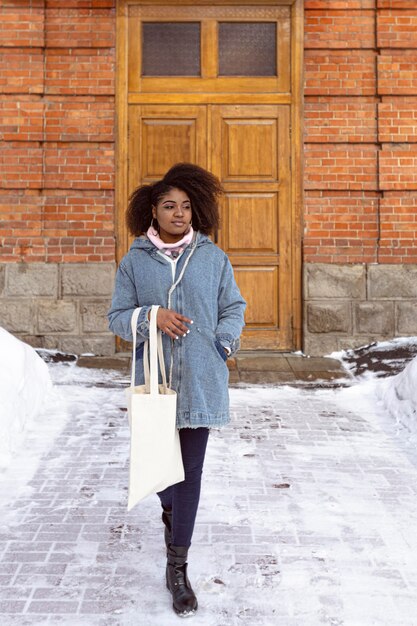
[[143, 243]]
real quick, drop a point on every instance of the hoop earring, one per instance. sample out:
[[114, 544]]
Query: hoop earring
[[153, 225]]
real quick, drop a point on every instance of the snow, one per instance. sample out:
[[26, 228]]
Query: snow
[[398, 395], [24, 385], [375, 391], [309, 525]]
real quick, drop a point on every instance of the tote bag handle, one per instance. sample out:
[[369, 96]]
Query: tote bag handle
[[154, 346]]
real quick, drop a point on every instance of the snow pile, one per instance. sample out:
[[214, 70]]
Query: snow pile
[[398, 395], [385, 380], [378, 359], [24, 384]]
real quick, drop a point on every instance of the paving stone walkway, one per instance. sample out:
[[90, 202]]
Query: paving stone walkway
[[308, 516]]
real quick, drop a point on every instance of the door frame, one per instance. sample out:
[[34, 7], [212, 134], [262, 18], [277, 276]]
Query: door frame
[[295, 99]]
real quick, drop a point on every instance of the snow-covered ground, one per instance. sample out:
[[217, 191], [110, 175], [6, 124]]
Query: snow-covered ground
[[385, 381], [308, 499], [24, 385]]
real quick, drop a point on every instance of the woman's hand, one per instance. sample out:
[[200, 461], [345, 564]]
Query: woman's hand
[[171, 323]]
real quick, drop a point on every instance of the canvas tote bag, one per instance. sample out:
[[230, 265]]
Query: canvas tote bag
[[155, 450]]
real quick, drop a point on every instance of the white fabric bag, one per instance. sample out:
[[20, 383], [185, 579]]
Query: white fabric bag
[[155, 450]]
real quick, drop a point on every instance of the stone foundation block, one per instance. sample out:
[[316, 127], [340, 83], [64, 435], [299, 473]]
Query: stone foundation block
[[33, 279], [94, 316], [88, 279], [2, 278], [324, 281], [407, 318], [17, 316], [101, 346], [328, 318], [347, 343], [57, 317], [392, 281], [33, 340], [319, 344], [375, 317]]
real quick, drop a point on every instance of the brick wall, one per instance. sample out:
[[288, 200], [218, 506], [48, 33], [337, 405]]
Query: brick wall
[[360, 131], [57, 239], [57, 75], [360, 172]]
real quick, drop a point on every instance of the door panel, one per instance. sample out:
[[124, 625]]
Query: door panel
[[260, 161], [243, 229], [161, 135], [259, 286], [251, 153]]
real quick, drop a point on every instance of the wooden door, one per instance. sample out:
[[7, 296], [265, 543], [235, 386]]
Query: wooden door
[[250, 155], [239, 127]]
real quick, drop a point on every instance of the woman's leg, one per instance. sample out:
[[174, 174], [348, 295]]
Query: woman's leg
[[185, 500], [165, 497], [186, 495]]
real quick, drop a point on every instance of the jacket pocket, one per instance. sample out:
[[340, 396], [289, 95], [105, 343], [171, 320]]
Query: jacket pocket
[[220, 349]]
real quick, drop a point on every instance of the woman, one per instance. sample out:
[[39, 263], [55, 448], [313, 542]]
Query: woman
[[173, 263]]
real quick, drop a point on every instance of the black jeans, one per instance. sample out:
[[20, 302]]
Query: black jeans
[[183, 497]]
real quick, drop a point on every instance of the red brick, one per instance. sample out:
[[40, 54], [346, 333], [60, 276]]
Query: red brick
[[20, 165], [80, 71], [340, 226], [336, 72], [398, 166], [80, 28], [21, 70], [341, 166], [397, 120], [34, 4], [398, 215], [28, 249], [80, 218], [397, 29], [22, 119], [395, 4], [22, 26], [20, 213], [85, 118], [79, 166], [340, 119], [339, 29], [32, 234], [346, 5], [82, 4], [397, 73]]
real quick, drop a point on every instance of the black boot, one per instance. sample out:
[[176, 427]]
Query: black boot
[[184, 600], [167, 519]]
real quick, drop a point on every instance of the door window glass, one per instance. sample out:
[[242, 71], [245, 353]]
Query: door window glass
[[247, 49], [171, 49]]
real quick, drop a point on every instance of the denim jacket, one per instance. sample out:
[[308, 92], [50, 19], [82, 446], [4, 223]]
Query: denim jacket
[[207, 294]]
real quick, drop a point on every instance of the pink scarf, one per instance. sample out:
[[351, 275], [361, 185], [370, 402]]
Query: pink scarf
[[170, 248]]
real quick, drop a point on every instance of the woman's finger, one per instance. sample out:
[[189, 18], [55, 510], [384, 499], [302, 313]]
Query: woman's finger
[[178, 327], [184, 319]]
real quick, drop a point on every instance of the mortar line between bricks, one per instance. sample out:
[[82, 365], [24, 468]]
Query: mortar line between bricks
[[16, 574], [28, 601], [81, 601]]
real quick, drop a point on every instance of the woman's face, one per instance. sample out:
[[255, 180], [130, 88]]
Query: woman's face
[[173, 213]]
